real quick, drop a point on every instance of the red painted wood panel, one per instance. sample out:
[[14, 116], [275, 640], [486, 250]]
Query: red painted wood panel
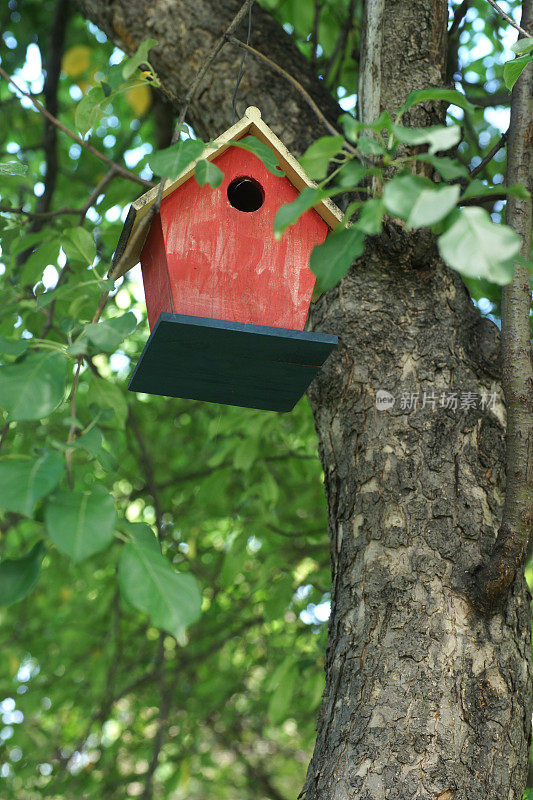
[[155, 273], [225, 264]]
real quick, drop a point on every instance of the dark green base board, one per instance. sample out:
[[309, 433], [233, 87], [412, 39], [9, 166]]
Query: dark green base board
[[229, 362]]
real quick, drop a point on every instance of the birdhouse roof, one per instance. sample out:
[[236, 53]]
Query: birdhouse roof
[[250, 124]]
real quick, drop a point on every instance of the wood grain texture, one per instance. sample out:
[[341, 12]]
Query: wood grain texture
[[251, 124], [225, 263], [252, 366], [156, 282]]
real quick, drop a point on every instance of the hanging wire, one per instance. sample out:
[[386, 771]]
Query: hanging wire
[[241, 68]]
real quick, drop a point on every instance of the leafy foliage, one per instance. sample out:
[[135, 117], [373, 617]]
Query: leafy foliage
[[417, 201], [90, 645], [18, 576]]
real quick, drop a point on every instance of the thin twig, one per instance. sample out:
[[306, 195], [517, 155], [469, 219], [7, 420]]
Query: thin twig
[[459, 15], [507, 18], [490, 100], [126, 173], [341, 43], [490, 155], [3, 433], [314, 34], [166, 690], [39, 214], [147, 465], [307, 97], [96, 192], [73, 425], [52, 70]]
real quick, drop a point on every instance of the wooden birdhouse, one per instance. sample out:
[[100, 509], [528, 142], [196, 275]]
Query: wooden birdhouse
[[227, 303]]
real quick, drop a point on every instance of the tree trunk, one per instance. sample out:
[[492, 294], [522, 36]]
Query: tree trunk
[[425, 697]]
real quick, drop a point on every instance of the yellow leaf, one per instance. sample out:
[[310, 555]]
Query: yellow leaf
[[84, 86], [139, 98], [76, 60]]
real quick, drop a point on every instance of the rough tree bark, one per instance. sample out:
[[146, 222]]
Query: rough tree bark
[[425, 697]]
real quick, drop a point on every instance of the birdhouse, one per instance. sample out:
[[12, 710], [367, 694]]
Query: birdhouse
[[227, 302]]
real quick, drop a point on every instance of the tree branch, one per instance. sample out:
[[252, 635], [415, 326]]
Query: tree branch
[[494, 578], [490, 155], [507, 18], [44, 215], [341, 44], [126, 173], [459, 15], [306, 96], [51, 84]]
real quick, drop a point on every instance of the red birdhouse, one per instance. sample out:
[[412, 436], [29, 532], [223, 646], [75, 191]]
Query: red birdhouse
[[227, 302]]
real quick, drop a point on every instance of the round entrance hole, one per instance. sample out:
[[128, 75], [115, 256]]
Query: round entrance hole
[[246, 194]]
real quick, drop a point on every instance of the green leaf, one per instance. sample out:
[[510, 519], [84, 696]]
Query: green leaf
[[419, 201], [351, 126], [449, 168], [88, 109], [25, 481], [28, 241], [114, 77], [79, 245], [106, 394], [371, 218], [279, 597], [46, 253], [370, 146], [138, 58], [350, 174], [289, 213], [141, 534], [13, 347], [450, 96], [523, 45], [34, 386], [80, 523], [480, 189], [513, 69], [382, 123], [477, 247], [348, 214], [438, 137], [207, 172], [171, 162], [171, 599], [432, 205], [43, 300], [283, 682], [316, 158], [107, 334], [18, 576], [13, 168], [234, 559], [92, 442], [401, 193], [332, 259], [263, 153]]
